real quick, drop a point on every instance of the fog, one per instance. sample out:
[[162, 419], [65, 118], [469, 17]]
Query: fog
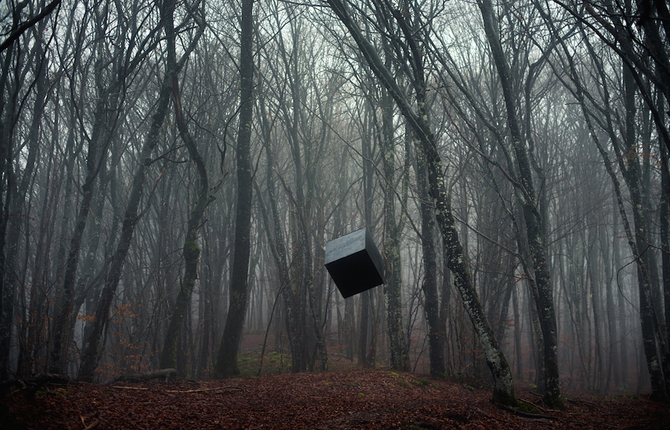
[[171, 172]]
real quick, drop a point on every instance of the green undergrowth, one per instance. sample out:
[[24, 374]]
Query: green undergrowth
[[273, 363], [406, 382]]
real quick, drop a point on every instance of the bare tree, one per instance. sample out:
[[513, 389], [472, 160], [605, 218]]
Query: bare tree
[[226, 363]]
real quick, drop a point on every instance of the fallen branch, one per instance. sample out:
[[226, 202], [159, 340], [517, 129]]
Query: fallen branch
[[201, 390], [140, 377], [33, 384], [120, 387]]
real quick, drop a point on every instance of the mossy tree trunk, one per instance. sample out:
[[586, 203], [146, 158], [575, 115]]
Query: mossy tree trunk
[[429, 285], [398, 350]]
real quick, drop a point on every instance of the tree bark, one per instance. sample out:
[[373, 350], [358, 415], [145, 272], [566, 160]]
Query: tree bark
[[226, 363], [7, 113], [398, 351], [16, 203], [429, 285], [61, 326]]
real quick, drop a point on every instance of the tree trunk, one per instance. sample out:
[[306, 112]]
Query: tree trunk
[[226, 363], [518, 351], [429, 285], [92, 338], [365, 337], [545, 304], [7, 117], [654, 346], [397, 349], [19, 195], [664, 211], [61, 326], [191, 250]]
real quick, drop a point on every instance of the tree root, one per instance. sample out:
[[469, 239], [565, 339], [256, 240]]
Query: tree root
[[538, 417]]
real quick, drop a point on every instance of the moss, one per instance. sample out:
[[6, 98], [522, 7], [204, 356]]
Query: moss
[[273, 362], [191, 249], [403, 383], [422, 382]]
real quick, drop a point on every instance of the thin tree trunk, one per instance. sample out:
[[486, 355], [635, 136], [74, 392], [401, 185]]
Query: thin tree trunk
[[397, 349], [191, 250], [92, 338], [517, 336], [664, 221], [19, 196], [366, 338], [7, 117], [61, 326]]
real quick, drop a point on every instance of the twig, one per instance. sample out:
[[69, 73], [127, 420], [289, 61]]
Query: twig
[[91, 426]]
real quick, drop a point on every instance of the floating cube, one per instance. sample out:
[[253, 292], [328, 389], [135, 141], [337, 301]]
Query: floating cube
[[354, 263]]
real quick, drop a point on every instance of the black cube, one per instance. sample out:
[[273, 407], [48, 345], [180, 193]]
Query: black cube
[[354, 263]]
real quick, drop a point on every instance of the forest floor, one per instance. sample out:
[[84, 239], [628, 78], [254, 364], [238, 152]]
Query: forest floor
[[343, 399]]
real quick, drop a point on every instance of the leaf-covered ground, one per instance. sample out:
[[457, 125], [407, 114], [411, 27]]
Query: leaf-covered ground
[[367, 399]]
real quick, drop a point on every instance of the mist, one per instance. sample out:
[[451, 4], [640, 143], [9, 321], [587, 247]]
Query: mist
[[171, 172]]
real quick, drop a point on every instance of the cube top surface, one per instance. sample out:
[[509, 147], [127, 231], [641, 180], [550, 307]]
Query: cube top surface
[[345, 245], [354, 263]]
